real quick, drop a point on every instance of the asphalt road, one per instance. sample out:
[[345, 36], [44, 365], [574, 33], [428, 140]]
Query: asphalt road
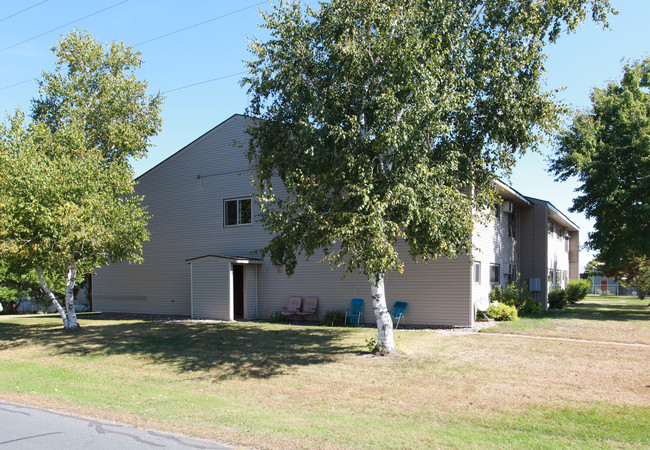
[[25, 427]]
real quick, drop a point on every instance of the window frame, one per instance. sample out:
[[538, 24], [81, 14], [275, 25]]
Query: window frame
[[477, 272], [498, 273], [512, 224], [497, 211], [238, 200]]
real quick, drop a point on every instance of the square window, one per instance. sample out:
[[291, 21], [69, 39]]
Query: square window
[[237, 212]]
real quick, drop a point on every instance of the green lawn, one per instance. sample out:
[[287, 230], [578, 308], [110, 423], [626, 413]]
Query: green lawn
[[271, 386], [608, 318]]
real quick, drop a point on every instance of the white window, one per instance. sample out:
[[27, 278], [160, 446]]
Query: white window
[[237, 211], [477, 272]]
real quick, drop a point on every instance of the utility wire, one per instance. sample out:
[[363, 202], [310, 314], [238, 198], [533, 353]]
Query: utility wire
[[22, 10], [199, 23], [16, 84], [204, 82], [520, 2], [153, 39], [64, 25]]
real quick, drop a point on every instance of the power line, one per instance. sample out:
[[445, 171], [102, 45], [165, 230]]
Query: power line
[[204, 82], [199, 23], [16, 84], [153, 39], [225, 15], [22, 11], [64, 25]]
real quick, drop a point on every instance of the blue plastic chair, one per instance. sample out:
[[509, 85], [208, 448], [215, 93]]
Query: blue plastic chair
[[398, 311], [354, 312]]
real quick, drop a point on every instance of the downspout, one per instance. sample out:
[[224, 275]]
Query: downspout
[[257, 314], [191, 291]]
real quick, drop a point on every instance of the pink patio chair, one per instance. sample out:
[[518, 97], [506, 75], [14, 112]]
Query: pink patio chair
[[309, 309], [292, 308]]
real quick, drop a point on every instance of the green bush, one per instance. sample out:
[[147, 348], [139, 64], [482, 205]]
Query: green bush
[[577, 290], [334, 319], [275, 317], [557, 298], [518, 295], [501, 311]]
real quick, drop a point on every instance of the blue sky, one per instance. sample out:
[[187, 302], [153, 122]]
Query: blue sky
[[215, 50]]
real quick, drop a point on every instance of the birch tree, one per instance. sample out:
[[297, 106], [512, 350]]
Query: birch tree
[[66, 186], [389, 120]]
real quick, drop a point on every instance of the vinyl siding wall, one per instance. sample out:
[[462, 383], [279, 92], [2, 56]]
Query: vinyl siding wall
[[494, 246], [437, 293], [558, 257], [211, 289], [187, 222], [534, 250], [185, 196]]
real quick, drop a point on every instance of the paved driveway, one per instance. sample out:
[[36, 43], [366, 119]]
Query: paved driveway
[[25, 427]]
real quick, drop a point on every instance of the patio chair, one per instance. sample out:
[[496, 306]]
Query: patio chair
[[354, 312], [309, 309], [292, 308], [398, 311]]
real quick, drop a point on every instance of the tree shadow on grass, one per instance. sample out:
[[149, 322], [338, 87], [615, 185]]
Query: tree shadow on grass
[[226, 350], [602, 311]]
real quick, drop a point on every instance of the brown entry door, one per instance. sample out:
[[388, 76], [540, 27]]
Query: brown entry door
[[238, 291]]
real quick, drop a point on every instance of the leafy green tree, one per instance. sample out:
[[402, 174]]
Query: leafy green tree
[[635, 273], [66, 189], [608, 149], [389, 120]]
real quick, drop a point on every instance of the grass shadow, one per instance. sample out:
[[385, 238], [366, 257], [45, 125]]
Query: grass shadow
[[243, 350], [592, 310]]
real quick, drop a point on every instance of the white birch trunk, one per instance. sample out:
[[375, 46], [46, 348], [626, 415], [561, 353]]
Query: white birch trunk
[[51, 296], [70, 279], [385, 339], [68, 324]]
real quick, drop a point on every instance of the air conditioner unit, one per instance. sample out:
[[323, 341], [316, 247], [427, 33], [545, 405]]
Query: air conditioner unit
[[535, 284], [508, 207]]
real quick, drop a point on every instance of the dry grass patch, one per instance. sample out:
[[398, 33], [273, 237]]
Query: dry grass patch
[[282, 386]]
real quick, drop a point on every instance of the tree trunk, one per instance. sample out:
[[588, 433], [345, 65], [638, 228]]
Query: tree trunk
[[69, 320], [385, 340], [70, 279]]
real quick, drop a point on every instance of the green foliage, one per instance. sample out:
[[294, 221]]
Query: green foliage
[[334, 319], [275, 317], [607, 149], [518, 295], [95, 86], [66, 187], [371, 112], [577, 290], [502, 312], [635, 273], [371, 343], [557, 298]]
